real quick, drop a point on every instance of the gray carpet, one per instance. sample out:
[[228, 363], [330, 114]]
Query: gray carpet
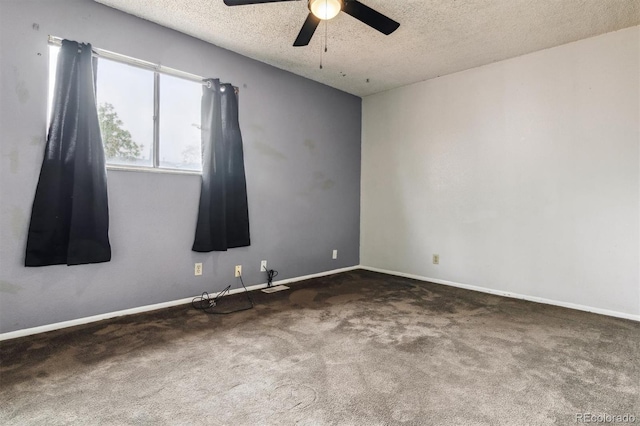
[[357, 348]]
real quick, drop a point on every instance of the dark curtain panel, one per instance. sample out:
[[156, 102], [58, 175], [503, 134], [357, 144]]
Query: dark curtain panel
[[223, 215], [70, 215]]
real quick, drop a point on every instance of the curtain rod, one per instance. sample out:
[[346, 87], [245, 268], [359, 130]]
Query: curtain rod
[[101, 53]]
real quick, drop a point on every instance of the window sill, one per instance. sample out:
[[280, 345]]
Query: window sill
[[153, 170]]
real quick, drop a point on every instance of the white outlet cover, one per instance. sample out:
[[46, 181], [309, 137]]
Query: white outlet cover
[[238, 270], [335, 254], [263, 266], [198, 269]]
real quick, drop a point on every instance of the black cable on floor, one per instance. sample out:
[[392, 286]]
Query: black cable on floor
[[207, 304], [271, 274]]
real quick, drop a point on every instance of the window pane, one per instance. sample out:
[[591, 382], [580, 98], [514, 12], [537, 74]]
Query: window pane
[[180, 123], [125, 110]]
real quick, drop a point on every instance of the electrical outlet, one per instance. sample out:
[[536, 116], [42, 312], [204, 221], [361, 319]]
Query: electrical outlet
[[436, 259], [335, 254], [263, 266], [198, 269], [238, 270]]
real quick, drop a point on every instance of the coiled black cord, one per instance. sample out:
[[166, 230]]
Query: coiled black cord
[[207, 304], [271, 274]]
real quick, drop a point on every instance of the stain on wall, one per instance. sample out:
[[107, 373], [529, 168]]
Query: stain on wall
[[7, 287], [21, 87], [268, 151], [14, 160], [18, 223], [309, 143], [319, 181], [328, 184]]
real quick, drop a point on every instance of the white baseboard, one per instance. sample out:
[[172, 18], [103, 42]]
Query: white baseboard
[[509, 294], [147, 308]]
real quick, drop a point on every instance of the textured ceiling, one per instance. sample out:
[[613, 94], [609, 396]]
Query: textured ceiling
[[436, 37]]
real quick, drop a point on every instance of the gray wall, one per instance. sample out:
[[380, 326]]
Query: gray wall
[[302, 156]]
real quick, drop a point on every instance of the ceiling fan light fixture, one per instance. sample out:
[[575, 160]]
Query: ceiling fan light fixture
[[325, 9]]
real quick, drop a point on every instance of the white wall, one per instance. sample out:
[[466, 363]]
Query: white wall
[[523, 175]]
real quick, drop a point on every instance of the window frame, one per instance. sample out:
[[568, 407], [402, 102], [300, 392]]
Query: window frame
[[157, 70]]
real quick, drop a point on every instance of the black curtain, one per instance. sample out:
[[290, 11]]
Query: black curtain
[[223, 215], [70, 215]]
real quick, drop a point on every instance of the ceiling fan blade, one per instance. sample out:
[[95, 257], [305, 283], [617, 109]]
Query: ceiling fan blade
[[308, 28], [370, 17], [242, 2]]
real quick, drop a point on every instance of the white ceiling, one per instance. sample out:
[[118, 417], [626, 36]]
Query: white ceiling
[[436, 37]]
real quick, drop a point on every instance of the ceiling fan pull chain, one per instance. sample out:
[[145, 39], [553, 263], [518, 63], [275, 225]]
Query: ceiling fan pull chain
[[320, 55], [326, 25]]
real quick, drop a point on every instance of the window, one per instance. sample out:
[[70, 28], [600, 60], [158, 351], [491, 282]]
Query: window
[[180, 124], [124, 95], [129, 94]]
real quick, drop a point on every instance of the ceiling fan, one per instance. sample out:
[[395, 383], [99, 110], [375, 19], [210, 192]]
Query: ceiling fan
[[328, 9]]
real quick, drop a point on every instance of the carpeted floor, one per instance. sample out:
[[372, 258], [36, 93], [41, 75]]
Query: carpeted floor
[[358, 348]]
